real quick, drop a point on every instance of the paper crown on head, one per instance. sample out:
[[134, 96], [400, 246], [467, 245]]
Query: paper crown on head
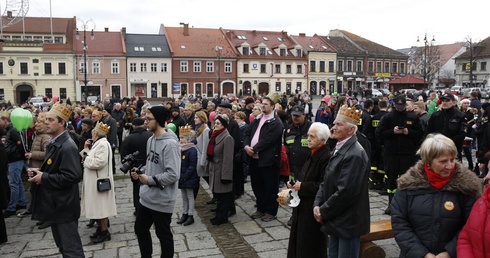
[[61, 110], [103, 128], [189, 106], [185, 130], [274, 96], [349, 115]]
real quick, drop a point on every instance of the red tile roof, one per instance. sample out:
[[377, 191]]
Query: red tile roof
[[371, 47], [409, 79], [447, 51], [314, 41], [483, 49], [104, 44]]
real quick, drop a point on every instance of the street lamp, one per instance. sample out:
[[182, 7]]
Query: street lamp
[[426, 45], [85, 26], [219, 49]]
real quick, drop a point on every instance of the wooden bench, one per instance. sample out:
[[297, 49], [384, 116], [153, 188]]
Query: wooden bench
[[379, 230]]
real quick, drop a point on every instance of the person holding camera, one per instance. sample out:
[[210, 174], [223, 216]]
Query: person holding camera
[[132, 144], [158, 190], [97, 204]]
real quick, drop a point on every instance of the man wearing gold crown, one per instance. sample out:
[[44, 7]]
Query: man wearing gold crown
[[342, 201], [57, 198]]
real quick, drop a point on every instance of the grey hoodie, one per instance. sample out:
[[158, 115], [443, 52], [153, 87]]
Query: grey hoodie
[[163, 171]]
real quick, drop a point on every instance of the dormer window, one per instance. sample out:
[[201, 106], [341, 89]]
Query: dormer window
[[282, 52], [246, 50], [299, 52], [262, 51]]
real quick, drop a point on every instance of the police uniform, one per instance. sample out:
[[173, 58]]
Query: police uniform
[[296, 143]]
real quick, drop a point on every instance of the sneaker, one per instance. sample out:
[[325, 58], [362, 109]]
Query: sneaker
[[257, 215], [8, 213], [24, 214], [267, 217]]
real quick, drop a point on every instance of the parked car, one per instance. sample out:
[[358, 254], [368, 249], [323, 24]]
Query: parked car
[[37, 102], [467, 91], [386, 92], [457, 89], [376, 93]]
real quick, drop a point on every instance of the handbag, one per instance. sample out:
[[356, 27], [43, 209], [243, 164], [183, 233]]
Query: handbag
[[103, 184]]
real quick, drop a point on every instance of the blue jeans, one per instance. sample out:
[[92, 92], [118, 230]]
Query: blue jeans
[[340, 247], [17, 195]]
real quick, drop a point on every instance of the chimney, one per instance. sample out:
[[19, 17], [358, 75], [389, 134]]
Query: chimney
[[186, 29], [302, 34], [106, 29], [123, 31], [9, 15]]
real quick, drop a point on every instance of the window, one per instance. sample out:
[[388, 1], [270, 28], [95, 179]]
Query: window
[[48, 39], [246, 68], [263, 68], [38, 38], [47, 68], [262, 51], [1, 67], [288, 69], [483, 66], [402, 68], [132, 67], [299, 69], [35, 61], [163, 67], [197, 66], [298, 86], [378, 67], [299, 52], [114, 67], [282, 52], [95, 67], [2, 94], [370, 67], [278, 86], [62, 93], [58, 40], [340, 65], [277, 68], [246, 50], [228, 67], [209, 67], [143, 67], [153, 67], [82, 67], [331, 67], [312, 66], [24, 68], [349, 66], [322, 66], [395, 67], [48, 92], [61, 68], [359, 66], [387, 67], [184, 66]]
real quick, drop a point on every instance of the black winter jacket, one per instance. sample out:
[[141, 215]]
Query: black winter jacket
[[451, 123], [425, 219], [188, 169]]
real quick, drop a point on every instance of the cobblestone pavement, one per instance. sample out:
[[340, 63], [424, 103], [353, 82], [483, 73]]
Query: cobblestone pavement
[[242, 237]]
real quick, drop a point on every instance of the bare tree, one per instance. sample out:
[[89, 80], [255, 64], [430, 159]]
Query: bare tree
[[427, 61], [473, 51], [446, 77]]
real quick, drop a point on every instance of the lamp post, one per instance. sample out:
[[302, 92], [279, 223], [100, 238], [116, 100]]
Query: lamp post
[[219, 49], [426, 45], [85, 25]]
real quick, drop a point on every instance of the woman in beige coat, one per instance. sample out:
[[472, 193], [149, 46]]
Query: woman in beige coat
[[98, 205]]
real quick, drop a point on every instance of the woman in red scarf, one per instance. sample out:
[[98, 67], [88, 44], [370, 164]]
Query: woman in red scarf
[[433, 201], [220, 158]]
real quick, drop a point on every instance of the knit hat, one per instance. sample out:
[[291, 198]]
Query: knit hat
[[175, 109], [249, 100], [160, 113], [88, 122], [138, 121]]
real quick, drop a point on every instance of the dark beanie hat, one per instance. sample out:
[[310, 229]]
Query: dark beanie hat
[[249, 100], [88, 122], [175, 109], [138, 121], [160, 113]]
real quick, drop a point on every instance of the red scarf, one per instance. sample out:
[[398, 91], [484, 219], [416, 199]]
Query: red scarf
[[317, 148], [435, 180], [212, 142]]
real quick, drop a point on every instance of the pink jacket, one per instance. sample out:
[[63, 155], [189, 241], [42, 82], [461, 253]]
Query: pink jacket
[[474, 239]]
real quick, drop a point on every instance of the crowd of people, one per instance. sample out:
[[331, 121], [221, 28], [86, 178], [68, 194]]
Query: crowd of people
[[409, 148]]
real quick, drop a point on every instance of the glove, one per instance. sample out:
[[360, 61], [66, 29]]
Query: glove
[[224, 181]]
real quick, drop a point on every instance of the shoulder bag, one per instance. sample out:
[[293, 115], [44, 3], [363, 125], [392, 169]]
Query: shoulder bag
[[104, 184]]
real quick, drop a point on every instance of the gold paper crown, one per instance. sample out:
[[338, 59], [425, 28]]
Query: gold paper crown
[[61, 110], [189, 106], [103, 128], [349, 114], [185, 130]]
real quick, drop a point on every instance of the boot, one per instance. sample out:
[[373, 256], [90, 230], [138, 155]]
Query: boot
[[96, 234], [388, 210], [189, 221], [91, 223], [183, 219]]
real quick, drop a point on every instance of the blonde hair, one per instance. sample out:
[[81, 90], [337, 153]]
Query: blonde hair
[[434, 146], [204, 119]]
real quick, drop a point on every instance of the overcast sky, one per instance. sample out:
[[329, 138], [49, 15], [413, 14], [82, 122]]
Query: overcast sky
[[392, 23]]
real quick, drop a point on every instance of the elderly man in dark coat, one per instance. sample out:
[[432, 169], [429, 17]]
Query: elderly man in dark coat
[[342, 201]]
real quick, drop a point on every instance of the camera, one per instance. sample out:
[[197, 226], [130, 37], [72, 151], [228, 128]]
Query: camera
[[128, 161]]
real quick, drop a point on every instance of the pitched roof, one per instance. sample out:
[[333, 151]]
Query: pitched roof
[[343, 45], [313, 43], [147, 45], [481, 49], [197, 42], [371, 47], [409, 79], [40, 25], [105, 43], [447, 51]]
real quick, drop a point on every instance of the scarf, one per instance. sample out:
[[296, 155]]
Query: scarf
[[317, 148], [186, 146], [435, 180], [212, 142]]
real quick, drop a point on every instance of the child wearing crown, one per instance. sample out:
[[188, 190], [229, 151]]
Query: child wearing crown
[[188, 174]]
